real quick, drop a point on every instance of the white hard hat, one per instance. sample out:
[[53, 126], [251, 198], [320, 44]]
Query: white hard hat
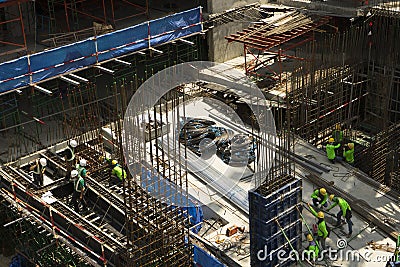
[[43, 162], [74, 173], [82, 162], [73, 143]]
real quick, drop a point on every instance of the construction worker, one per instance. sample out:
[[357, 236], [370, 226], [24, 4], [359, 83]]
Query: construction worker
[[81, 168], [38, 171], [312, 250], [117, 172], [322, 232], [337, 134], [320, 197], [69, 155], [344, 211], [330, 150], [79, 189], [348, 153]]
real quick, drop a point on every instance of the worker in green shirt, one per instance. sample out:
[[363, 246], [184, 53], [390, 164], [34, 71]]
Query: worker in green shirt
[[330, 150], [348, 153], [344, 211], [312, 250], [323, 232], [320, 197], [81, 168], [118, 174], [337, 134], [79, 189]]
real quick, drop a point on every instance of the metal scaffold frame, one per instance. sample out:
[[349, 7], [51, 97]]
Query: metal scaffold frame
[[74, 9], [276, 39], [6, 19]]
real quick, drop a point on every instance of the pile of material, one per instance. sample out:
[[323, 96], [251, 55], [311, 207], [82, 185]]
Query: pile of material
[[204, 138]]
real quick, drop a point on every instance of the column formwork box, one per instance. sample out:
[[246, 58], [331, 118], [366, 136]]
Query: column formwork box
[[265, 234]]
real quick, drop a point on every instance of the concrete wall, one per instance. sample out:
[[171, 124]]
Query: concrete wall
[[219, 49]]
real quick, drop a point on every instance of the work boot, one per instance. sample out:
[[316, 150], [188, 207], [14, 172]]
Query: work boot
[[349, 235]]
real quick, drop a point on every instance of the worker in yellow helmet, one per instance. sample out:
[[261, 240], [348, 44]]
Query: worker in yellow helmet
[[320, 197], [330, 150], [348, 153], [323, 231], [118, 174], [312, 250]]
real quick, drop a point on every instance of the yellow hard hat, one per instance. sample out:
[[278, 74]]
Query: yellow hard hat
[[320, 214], [350, 145], [114, 162], [331, 197], [322, 191], [331, 140], [309, 237]]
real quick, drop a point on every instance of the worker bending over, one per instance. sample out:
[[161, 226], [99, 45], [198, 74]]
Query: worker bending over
[[323, 231], [348, 153], [118, 174], [69, 154], [38, 171], [320, 197], [330, 150], [344, 211]]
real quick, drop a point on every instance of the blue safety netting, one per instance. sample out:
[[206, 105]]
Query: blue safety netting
[[203, 259], [50, 63], [159, 187]]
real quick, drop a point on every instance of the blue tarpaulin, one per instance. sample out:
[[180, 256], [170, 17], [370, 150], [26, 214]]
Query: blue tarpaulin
[[126, 41], [161, 188], [57, 61], [63, 59], [203, 259]]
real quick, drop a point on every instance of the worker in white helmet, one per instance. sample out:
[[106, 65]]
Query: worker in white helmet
[[79, 190], [81, 168], [38, 171], [69, 155]]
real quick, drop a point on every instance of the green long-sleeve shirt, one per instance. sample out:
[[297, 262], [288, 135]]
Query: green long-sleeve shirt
[[343, 205], [330, 150], [337, 135], [313, 249], [349, 155], [117, 170], [316, 194], [322, 231]]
